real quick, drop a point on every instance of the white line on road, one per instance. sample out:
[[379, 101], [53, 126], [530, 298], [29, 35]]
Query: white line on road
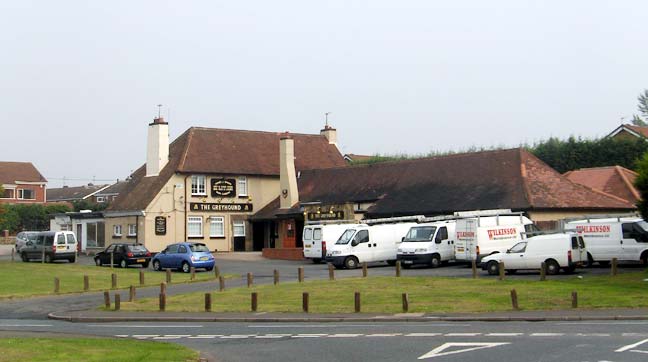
[[344, 335], [206, 336], [461, 334], [237, 336], [547, 334], [504, 334], [384, 335], [422, 334], [638, 351], [145, 335], [310, 335], [631, 346]]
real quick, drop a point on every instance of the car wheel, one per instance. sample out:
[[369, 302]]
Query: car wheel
[[72, 259], [317, 260], [123, 264], [24, 257], [435, 261], [552, 267], [156, 265], [209, 269], [98, 262], [145, 265], [185, 267], [493, 267], [48, 258]]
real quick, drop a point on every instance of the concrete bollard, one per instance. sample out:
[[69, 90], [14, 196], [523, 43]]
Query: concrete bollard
[[305, 298], [514, 299], [113, 279], [57, 285], [502, 270], [168, 276], [216, 271], [221, 282], [300, 274], [107, 299], [208, 302], [132, 293], [250, 280], [193, 273], [254, 301], [141, 277], [112, 259], [276, 277], [543, 271], [405, 302], [615, 263], [162, 302], [357, 302], [86, 283], [331, 272], [163, 286], [365, 271], [43, 255], [398, 269], [574, 299], [117, 301], [474, 269]]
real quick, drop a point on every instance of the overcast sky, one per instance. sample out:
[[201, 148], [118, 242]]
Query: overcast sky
[[80, 80]]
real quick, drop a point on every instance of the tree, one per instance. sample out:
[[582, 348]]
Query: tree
[[643, 103], [2, 211], [637, 121], [641, 183]]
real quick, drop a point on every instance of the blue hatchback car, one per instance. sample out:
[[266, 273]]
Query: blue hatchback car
[[183, 256]]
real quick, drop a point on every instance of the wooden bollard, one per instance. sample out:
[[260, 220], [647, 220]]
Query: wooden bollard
[[615, 262], [193, 273], [142, 281], [168, 276], [131, 294], [305, 302], [276, 277], [250, 280], [502, 270], [117, 301], [162, 302], [86, 283], [365, 271], [208, 303], [514, 300], [216, 271], [398, 269], [221, 283], [163, 286], [300, 274], [574, 300], [107, 299], [405, 302], [543, 271], [357, 302], [13, 252], [474, 269], [57, 285], [254, 301], [331, 272], [113, 278]]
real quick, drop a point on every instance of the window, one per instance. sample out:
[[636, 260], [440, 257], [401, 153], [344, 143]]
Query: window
[[60, 239], [194, 226], [199, 248], [71, 239], [242, 186], [362, 236], [182, 249], [117, 230], [101, 199], [110, 249], [26, 194], [239, 228], [198, 185], [441, 235], [574, 241], [132, 229], [317, 234], [172, 249], [518, 248], [8, 194], [308, 234], [217, 226]]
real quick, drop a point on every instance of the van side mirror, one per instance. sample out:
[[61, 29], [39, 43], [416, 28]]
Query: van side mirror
[[354, 242], [402, 239]]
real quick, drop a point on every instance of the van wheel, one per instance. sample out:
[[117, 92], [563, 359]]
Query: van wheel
[[156, 265], [552, 267], [317, 260], [435, 261], [391, 262], [72, 259], [185, 267], [48, 258], [123, 264], [493, 267], [351, 262], [98, 261], [24, 257]]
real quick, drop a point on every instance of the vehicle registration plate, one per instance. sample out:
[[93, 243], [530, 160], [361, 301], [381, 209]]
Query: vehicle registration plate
[[460, 249], [60, 247], [408, 262], [307, 246], [203, 258], [141, 260]]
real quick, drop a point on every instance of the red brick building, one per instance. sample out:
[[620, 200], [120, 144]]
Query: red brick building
[[22, 183]]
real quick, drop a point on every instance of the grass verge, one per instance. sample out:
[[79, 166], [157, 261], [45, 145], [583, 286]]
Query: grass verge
[[426, 294], [21, 280], [92, 349]]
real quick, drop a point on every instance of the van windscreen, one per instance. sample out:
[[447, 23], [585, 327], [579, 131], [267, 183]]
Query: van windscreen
[[420, 233], [346, 236]]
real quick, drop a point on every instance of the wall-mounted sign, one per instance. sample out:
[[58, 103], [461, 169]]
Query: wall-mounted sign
[[221, 187], [325, 215], [160, 225], [212, 207]]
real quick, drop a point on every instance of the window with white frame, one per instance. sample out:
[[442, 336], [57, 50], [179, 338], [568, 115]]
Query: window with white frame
[[117, 230], [101, 199], [239, 228], [242, 186], [132, 229], [194, 226], [8, 194], [26, 194], [198, 185], [217, 226]]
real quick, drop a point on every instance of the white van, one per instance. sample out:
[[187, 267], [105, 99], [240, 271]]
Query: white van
[[365, 244], [481, 236], [428, 243], [52, 245], [621, 238], [317, 237], [558, 251]]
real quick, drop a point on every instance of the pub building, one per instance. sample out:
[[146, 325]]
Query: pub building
[[208, 183]]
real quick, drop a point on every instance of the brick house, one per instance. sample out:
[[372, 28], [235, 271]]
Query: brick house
[[22, 183]]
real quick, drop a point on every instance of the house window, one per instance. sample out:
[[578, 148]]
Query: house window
[[8, 194], [132, 229], [217, 226], [242, 186], [117, 230], [198, 185], [239, 228], [194, 226], [101, 199], [25, 194]]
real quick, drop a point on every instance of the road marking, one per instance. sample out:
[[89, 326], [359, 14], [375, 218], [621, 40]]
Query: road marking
[[437, 352], [461, 334], [631, 346], [172, 336], [344, 335], [638, 351], [121, 335], [272, 336], [601, 323], [352, 325], [140, 326], [25, 325], [384, 335], [593, 334], [547, 334], [504, 334], [309, 335], [206, 336], [237, 336], [422, 334]]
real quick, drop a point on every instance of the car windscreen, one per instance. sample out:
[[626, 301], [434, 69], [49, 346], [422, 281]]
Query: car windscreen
[[137, 248], [199, 248], [346, 236], [420, 233]]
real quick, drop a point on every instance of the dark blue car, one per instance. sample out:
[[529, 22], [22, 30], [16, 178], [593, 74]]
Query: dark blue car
[[183, 256]]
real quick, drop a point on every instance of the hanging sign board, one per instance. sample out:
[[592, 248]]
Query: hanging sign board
[[160, 225], [223, 187]]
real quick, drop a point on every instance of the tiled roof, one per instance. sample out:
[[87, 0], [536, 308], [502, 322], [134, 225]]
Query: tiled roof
[[642, 130], [72, 193], [114, 189], [613, 180], [226, 151], [12, 172], [353, 157]]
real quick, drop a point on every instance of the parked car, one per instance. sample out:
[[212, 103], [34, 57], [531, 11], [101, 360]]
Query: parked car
[[557, 251], [184, 256], [23, 237], [51, 245], [317, 237], [429, 244], [124, 255]]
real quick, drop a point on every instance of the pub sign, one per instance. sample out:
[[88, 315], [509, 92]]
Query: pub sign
[[160, 225], [333, 215], [221, 187], [220, 207]]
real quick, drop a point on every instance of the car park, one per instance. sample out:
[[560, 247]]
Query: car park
[[317, 237], [50, 246], [124, 255], [184, 256], [563, 251], [428, 243], [23, 237]]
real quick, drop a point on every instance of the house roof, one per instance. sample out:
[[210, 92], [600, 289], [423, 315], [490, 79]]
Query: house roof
[[351, 157], [114, 189], [13, 172], [637, 131], [503, 179], [225, 151], [613, 180], [73, 193]]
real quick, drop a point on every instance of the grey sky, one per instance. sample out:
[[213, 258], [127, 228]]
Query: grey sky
[[79, 80]]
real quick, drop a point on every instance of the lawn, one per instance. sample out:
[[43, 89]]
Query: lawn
[[30, 279], [426, 294], [92, 349]]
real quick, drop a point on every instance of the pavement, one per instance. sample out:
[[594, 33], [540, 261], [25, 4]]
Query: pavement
[[5, 250]]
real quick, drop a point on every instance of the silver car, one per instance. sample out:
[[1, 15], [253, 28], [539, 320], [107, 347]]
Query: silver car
[[23, 237]]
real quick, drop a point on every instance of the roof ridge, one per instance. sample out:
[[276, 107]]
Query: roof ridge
[[524, 175], [189, 132], [257, 131], [627, 182]]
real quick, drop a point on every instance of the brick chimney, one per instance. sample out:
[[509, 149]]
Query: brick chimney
[[330, 133], [157, 148], [287, 176]]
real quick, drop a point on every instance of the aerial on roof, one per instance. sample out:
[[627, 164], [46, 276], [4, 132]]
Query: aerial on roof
[[613, 180], [16, 172], [225, 151], [73, 193]]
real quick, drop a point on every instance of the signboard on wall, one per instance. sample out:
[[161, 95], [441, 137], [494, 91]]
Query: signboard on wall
[[160, 225], [223, 187], [331, 215], [220, 207]]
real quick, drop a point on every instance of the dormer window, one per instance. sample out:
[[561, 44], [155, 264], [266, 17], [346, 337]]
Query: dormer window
[[198, 185]]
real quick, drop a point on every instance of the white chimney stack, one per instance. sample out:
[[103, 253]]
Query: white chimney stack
[[330, 133], [287, 175], [157, 148]]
